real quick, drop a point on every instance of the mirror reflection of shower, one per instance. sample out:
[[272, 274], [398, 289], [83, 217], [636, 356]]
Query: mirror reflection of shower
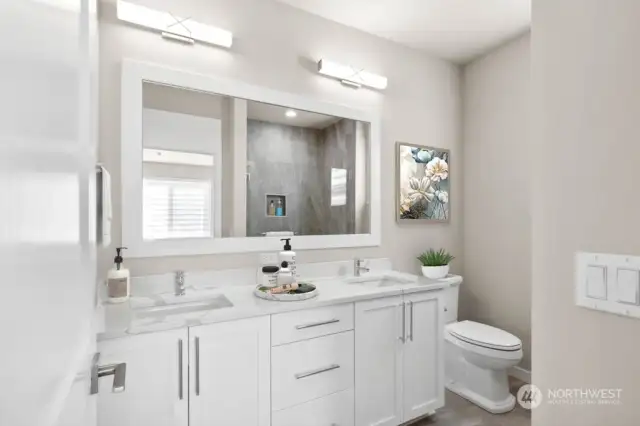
[[216, 166]]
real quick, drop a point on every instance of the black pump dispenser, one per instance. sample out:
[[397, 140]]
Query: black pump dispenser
[[118, 259], [287, 245]]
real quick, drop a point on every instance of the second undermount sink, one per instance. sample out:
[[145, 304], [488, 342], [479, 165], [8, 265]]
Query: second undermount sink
[[180, 305], [379, 280]]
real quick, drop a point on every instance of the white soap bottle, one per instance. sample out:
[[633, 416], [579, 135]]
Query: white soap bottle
[[289, 256], [118, 288]]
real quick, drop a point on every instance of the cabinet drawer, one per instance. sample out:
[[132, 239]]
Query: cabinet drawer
[[333, 410], [311, 369], [300, 325]]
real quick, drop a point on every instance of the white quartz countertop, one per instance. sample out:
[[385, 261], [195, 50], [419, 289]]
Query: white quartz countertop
[[124, 319]]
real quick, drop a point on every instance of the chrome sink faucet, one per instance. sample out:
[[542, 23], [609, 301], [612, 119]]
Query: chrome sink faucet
[[179, 281], [357, 267]]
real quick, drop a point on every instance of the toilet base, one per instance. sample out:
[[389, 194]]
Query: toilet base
[[494, 407]]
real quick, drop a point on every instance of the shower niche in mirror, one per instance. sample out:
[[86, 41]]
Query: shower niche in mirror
[[212, 166]]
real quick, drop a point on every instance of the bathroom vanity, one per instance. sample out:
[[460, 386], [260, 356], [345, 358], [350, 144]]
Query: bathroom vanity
[[214, 166], [367, 351]]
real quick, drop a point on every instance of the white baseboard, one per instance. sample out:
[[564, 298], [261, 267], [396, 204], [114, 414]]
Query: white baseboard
[[520, 373]]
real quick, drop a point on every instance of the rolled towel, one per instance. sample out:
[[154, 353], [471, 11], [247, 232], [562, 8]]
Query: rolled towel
[[279, 234]]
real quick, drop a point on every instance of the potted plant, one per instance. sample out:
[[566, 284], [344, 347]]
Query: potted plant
[[435, 264]]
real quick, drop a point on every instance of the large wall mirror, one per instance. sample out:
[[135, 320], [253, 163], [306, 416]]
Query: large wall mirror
[[216, 166]]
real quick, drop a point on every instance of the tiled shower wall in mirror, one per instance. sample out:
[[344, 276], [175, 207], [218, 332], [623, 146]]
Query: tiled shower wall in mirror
[[297, 162]]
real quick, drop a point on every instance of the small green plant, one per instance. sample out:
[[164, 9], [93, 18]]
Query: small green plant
[[435, 258]]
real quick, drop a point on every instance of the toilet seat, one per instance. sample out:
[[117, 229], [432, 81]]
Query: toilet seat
[[484, 336]]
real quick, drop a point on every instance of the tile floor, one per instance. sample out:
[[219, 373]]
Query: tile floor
[[460, 412]]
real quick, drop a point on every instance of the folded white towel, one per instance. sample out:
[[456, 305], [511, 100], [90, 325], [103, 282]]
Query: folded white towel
[[279, 234]]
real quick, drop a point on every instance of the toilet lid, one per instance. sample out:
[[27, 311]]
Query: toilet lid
[[484, 335]]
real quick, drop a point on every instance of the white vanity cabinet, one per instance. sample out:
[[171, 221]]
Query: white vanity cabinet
[[229, 374], [207, 375], [423, 355], [378, 357], [399, 358], [156, 380], [375, 362]]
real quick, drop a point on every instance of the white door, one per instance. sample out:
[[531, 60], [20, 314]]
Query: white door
[[423, 355], [379, 334], [156, 390], [48, 144], [229, 382]]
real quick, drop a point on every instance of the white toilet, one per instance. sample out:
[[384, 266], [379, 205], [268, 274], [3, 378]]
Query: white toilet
[[477, 357]]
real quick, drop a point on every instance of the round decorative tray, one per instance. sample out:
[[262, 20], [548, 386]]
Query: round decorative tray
[[305, 291]]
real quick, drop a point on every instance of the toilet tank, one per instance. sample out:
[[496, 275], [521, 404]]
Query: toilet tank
[[450, 300]]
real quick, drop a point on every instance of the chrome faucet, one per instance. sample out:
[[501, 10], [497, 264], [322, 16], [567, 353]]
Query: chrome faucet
[[357, 267], [179, 281]]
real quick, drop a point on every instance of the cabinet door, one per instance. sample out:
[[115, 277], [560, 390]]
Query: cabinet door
[[423, 355], [229, 373], [379, 332], [154, 393]]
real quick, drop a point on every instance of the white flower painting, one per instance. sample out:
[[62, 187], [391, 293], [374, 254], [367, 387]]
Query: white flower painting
[[424, 183]]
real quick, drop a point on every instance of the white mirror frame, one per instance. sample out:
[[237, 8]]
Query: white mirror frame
[[134, 74]]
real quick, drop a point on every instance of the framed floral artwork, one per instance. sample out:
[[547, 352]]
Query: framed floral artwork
[[423, 183]]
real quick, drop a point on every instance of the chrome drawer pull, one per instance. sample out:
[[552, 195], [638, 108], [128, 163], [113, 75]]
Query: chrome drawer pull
[[404, 319], [317, 324], [318, 371], [180, 363], [197, 366], [411, 323]]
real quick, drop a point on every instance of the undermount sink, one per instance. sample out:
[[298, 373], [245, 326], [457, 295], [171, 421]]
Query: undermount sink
[[379, 280], [180, 305]]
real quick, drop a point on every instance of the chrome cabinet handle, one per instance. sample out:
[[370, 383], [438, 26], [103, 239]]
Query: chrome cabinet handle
[[411, 321], [180, 373], [318, 371], [404, 306], [197, 366], [118, 371], [316, 324]]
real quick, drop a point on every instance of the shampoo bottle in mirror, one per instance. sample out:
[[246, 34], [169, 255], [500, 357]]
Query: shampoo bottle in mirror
[[118, 280], [289, 256], [279, 209]]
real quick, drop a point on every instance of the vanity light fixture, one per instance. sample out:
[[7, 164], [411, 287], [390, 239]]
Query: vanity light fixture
[[181, 29], [291, 113], [351, 76]]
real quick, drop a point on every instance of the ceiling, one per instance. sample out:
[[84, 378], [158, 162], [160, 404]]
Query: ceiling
[[276, 114], [456, 30]]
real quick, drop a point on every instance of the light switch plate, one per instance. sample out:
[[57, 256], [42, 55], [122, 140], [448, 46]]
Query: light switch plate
[[597, 282], [628, 286], [608, 282]]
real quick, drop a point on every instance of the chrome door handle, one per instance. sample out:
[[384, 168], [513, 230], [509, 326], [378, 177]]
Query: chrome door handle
[[180, 373], [118, 371], [404, 306], [318, 371], [316, 324], [411, 321], [197, 366]]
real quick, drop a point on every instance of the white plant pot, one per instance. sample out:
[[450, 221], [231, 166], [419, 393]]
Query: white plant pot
[[435, 272]]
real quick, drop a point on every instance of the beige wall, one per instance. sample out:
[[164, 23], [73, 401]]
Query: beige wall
[[276, 46], [496, 212], [585, 85]]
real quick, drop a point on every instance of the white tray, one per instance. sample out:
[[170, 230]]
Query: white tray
[[284, 297]]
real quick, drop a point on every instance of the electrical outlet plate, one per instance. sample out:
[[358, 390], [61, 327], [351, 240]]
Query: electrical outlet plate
[[268, 259]]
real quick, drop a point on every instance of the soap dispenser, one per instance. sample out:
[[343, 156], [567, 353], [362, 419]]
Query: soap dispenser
[[289, 256], [118, 288]]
